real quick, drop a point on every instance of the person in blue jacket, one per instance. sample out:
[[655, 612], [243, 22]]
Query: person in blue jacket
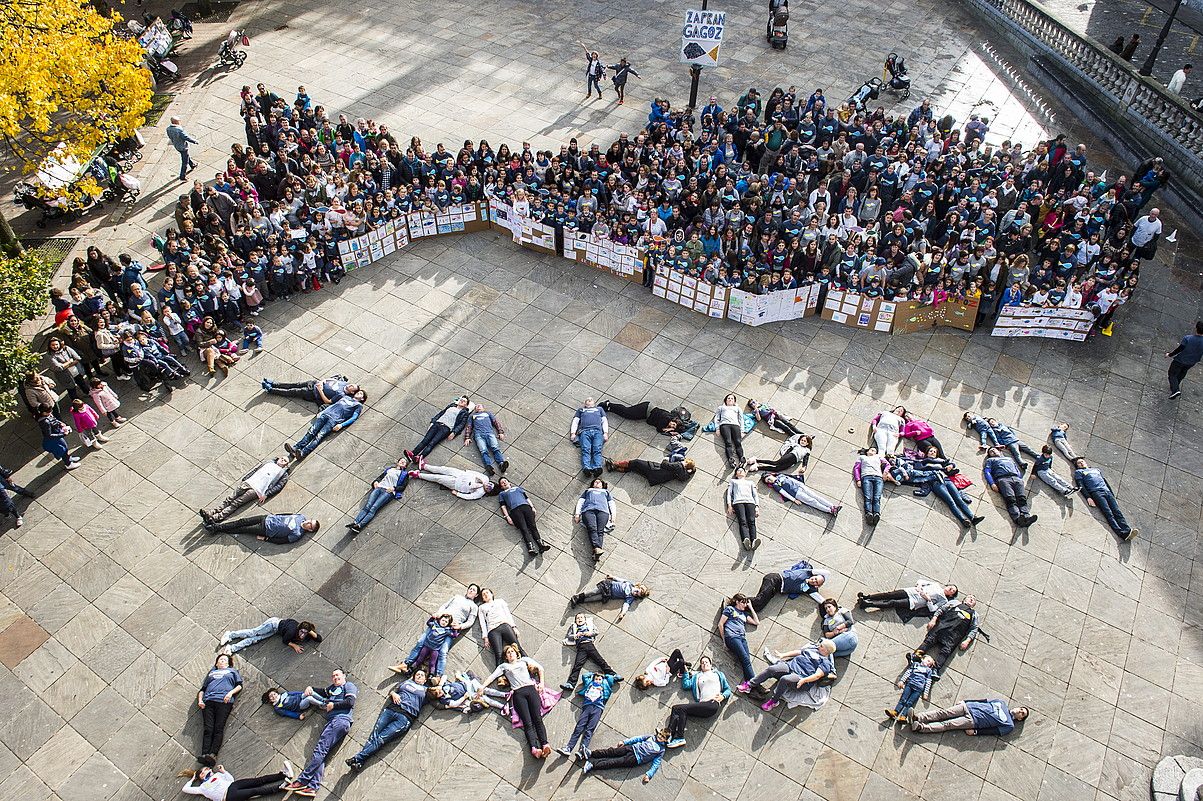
[[710, 689], [632, 753], [613, 588], [289, 703], [595, 691], [398, 716], [335, 417], [1099, 494], [1007, 438], [1004, 475], [388, 486], [975, 718], [338, 701]]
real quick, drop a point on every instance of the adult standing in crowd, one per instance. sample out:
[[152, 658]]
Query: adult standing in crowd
[[1185, 356]]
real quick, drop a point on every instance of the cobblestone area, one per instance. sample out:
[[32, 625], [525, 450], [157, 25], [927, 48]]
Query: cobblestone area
[[114, 598]]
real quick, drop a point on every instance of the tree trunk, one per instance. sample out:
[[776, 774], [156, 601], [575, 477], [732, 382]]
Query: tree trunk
[[9, 244]]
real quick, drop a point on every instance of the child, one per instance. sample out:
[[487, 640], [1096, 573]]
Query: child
[[1058, 435], [431, 648], [106, 400], [594, 691], [915, 682], [580, 635], [252, 297], [87, 423], [985, 434], [289, 703], [1043, 467], [54, 437], [252, 338], [465, 693], [635, 752]]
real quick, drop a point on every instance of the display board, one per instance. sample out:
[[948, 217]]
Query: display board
[[773, 307], [858, 311], [526, 231], [692, 293], [702, 37], [914, 316], [1051, 323], [624, 261]]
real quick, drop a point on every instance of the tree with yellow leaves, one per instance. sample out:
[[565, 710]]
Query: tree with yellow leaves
[[65, 78]]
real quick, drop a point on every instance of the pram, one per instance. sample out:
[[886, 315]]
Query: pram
[[777, 32], [58, 188], [897, 82], [869, 90]]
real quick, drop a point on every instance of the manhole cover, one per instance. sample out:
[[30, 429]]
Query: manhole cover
[[53, 251]]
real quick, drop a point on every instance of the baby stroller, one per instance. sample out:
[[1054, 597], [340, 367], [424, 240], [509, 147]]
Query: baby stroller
[[229, 54], [898, 83], [777, 32], [869, 90], [57, 189]]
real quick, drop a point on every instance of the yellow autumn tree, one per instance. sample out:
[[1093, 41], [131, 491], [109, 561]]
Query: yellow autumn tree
[[65, 77]]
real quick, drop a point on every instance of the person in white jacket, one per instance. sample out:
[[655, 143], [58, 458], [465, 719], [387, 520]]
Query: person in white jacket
[[926, 597], [216, 784], [467, 485]]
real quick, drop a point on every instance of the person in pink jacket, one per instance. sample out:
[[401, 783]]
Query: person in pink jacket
[[106, 400], [87, 423], [917, 429]]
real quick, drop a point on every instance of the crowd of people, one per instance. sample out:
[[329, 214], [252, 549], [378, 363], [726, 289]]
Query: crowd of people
[[768, 195]]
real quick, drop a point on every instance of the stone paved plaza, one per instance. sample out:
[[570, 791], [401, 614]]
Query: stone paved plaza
[[113, 597]]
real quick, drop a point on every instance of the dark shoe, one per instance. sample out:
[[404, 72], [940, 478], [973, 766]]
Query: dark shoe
[[489, 469], [505, 465], [1023, 467], [544, 547], [977, 520], [1175, 394], [1031, 519], [354, 764], [574, 601], [291, 450], [566, 687], [530, 549], [610, 464], [206, 518]]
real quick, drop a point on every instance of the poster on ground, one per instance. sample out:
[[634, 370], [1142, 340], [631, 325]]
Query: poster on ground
[[914, 316], [1035, 321], [690, 292], [773, 307], [858, 311]]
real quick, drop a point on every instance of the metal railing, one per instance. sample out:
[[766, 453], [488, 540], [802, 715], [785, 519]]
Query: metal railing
[[1167, 123]]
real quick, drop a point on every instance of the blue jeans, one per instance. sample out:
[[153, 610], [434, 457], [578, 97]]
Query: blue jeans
[[390, 724], [442, 650], [244, 638], [871, 487], [591, 448], [586, 724], [1107, 504], [986, 436], [252, 341], [318, 429], [739, 647], [910, 696], [376, 501], [185, 162], [845, 643], [953, 499], [490, 448], [336, 729]]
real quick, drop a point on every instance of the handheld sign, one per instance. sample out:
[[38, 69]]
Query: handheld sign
[[701, 37]]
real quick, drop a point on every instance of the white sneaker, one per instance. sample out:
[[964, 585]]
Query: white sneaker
[[289, 770], [225, 640], [768, 655], [71, 466], [20, 522]]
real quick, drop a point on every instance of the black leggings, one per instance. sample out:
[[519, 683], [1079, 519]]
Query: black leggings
[[894, 599], [243, 789], [654, 473], [777, 465], [214, 717], [524, 520], [676, 663], [636, 412], [584, 652], [930, 442], [733, 444], [679, 715], [745, 515], [305, 389], [499, 637], [530, 711]]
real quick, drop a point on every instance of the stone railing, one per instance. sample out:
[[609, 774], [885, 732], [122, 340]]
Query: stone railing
[[1161, 123]]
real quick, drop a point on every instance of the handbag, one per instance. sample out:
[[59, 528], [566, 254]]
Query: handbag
[[961, 481]]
